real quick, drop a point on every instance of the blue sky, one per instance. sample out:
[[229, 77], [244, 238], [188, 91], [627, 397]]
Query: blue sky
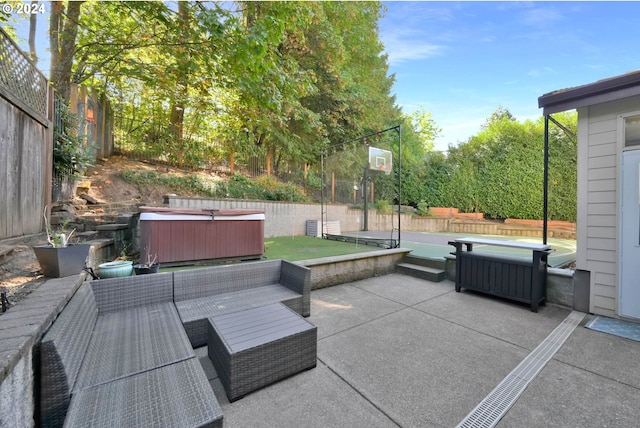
[[461, 60]]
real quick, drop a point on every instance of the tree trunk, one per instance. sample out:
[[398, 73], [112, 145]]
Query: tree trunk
[[33, 20], [178, 104], [62, 36]]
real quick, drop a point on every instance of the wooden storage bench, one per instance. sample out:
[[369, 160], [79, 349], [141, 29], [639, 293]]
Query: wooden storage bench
[[503, 276]]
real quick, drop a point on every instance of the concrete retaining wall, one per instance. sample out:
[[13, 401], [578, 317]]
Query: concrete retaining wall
[[21, 327], [290, 219], [560, 286], [328, 271]]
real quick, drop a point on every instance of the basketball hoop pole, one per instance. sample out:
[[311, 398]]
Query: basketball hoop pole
[[324, 152], [365, 224], [399, 130]]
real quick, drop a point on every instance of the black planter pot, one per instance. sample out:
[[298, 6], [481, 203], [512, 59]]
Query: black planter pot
[[59, 262], [140, 270]]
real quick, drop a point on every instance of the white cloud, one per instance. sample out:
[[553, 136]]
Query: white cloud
[[537, 72], [541, 16], [409, 45]]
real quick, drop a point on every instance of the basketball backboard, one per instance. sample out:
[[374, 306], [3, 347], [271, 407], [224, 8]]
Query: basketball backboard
[[380, 160]]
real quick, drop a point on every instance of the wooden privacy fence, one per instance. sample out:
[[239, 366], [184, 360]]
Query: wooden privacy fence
[[26, 142], [96, 117]]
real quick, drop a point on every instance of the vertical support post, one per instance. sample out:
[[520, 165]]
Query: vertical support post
[[538, 278], [322, 194], [458, 253], [373, 192], [399, 179], [355, 192], [333, 187], [47, 162], [545, 197], [269, 162], [365, 185]]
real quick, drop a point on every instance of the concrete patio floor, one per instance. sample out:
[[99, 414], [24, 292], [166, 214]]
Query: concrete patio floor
[[400, 351]]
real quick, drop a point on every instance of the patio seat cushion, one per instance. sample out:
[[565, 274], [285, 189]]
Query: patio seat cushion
[[118, 294], [62, 351], [109, 330], [195, 312], [176, 395], [133, 341], [256, 347], [196, 283]]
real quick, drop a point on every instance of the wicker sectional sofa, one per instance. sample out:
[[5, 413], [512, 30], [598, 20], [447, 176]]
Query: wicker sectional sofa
[[121, 351], [200, 294]]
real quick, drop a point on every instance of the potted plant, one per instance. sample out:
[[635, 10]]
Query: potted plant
[[148, 266], [60, 257], [122, 266]]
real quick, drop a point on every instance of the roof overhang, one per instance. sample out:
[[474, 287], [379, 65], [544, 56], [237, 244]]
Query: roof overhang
[[611, 89]]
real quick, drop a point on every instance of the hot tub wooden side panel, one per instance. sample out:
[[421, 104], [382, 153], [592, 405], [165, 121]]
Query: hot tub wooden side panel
[[182, 241]]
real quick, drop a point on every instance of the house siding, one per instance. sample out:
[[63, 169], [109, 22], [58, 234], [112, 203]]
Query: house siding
[[599, 154]]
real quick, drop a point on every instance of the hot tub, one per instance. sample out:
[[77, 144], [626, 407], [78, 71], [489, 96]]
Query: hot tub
[[185, 235]]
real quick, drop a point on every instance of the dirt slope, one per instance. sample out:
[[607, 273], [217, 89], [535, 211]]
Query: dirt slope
[[108, 186], [20, 271]]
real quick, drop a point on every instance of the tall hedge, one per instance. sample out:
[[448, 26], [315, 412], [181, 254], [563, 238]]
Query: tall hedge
[[499, 171]]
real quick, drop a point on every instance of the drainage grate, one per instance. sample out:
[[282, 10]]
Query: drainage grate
[[499, 401]]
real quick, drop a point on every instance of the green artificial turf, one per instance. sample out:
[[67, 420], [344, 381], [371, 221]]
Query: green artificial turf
[[294, 248], [306, 247]]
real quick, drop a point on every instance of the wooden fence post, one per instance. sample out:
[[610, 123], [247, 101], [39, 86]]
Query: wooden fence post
[[333, 187], [269, 162]]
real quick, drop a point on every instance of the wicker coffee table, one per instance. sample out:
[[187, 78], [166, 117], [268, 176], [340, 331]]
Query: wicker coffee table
[[256, 347]]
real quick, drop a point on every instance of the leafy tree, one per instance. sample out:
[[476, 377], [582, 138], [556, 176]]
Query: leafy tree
[[425, 127], [282, 78], [563, 169], [511, 179], [466, 164], [436, 180], [499, 171], [498, 115], [63, 29]]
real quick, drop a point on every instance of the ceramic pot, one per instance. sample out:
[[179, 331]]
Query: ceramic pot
[[115, 269], [144, 270]]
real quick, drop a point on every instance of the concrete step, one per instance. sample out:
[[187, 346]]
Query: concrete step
[[5, 254], [102, 250], [424, 261], [423, 272]]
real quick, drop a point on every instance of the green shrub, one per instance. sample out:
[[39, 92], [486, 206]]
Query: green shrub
[[237, 187], [383, 207], [423, 208]]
